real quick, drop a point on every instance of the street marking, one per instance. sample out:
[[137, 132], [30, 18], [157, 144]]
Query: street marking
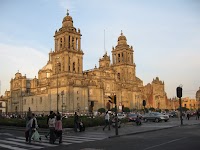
[[21, 144], [39, 143], [165, 143], [86, 137], [11, 147], [8, 134]]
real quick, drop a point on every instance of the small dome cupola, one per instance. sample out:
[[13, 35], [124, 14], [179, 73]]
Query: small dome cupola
[[121, 39], [67, 21]]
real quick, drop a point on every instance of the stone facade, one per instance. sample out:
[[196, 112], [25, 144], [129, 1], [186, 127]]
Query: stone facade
[[63, 85]]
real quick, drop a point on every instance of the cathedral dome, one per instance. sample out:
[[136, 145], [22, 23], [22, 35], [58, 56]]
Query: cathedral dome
[[67, 21], [48, 66], [121, 39]]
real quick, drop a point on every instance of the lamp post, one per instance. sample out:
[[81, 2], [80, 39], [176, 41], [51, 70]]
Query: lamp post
[[22, 103], [62, 93], [57, 81], [57, 89]]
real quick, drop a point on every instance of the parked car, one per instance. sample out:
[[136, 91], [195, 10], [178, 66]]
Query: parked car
[[132, 117], [155, 116], [121, 116], [173, 114]]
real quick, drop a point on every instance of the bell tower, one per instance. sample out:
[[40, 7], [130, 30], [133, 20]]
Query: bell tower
[[123, 62], [68, 56]]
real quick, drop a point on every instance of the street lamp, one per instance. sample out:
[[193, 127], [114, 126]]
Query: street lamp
[[22, 103], [57, 81], [62, 93]]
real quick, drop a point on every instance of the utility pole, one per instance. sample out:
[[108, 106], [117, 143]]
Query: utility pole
[[113, 99], [179, 95], [62, 93]]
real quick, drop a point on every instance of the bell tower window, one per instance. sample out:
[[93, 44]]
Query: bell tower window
[[118, 57], [69, 42], [60, 42], [73, 66]]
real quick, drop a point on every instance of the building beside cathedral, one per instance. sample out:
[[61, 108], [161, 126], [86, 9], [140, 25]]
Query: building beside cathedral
[[63, 85]]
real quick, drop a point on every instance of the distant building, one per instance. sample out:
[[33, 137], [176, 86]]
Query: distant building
[[3, 106], [63, 85], [198, 97]]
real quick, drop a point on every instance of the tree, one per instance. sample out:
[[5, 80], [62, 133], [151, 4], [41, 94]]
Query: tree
[[183, 109], [151, 109], [126, 109], [101, 110]]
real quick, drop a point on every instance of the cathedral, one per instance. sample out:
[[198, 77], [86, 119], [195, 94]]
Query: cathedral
[[62, 84]]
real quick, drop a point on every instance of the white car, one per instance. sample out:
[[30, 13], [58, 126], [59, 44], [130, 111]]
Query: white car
[[121, 116]]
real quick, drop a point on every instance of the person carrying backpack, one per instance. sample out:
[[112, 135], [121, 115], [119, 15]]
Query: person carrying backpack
[[51, 124]]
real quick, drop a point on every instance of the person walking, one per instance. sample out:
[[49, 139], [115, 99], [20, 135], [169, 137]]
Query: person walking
[[107, 121], [58, 128], [33, 126], [197, 115], [48, 133], [28, 127], [76, 121], [188, 116], [51, 123]]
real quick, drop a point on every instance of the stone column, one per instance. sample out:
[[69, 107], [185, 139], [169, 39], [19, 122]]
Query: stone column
[[79, 43]]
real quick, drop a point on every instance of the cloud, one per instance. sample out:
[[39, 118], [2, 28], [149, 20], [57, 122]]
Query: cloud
[[17, 57]]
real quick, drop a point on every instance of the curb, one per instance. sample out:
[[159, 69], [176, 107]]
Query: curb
[[139, 132]]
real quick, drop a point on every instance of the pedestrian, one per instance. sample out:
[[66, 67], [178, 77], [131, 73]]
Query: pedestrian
[[188, 116], [48, 133], [33, 126], [197, 115], [76, 121], [81, 126], [28, 127], [107, 121], [51, 123], [58, 128]]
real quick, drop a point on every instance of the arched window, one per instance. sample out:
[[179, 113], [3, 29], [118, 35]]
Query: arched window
[[118, 57], [60, 42], [73, 66], [69, 42], [118, 76]]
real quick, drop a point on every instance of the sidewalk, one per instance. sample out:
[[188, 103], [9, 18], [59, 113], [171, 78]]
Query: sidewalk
[[131, 128], [125, 129]]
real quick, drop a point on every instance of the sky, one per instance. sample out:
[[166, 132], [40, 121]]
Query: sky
[[165, 36]]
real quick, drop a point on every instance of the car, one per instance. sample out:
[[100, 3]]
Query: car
[[155, 116], [132, 117], [121, 116], [173, 114]]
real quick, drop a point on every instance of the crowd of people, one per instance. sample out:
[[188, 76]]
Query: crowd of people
[[55, 128], [54, 122]]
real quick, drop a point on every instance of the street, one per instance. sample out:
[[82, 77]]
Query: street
[[178, 138], [150, 135]]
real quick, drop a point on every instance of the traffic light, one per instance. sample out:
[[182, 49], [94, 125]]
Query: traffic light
[[113, 99], [92, 104], [179, 92], [144, 103]]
